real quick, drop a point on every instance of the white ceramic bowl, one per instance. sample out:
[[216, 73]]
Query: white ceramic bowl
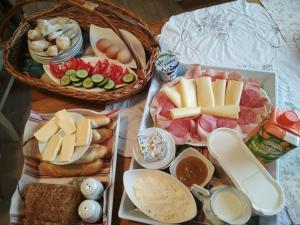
[[192, 152], [160, 164]]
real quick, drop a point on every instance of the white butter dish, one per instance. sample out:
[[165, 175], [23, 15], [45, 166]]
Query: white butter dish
[[246, 172]]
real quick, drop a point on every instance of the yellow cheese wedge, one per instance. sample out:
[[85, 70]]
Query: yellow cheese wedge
[[228, 111], [65, 121], [188, 92], [45, 132], [52, 148], [179, 113], [83, 132], [205, 95], [219, 87], [173, 94], [233, 92], [67, 148]]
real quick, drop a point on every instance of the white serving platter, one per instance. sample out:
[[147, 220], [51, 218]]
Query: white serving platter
[[268, 80]]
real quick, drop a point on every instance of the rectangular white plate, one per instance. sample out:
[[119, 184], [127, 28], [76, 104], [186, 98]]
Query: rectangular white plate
[[268, 80]]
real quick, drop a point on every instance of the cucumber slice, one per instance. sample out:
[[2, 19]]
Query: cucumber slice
[[110, 85], [88, 83], [74, 78], [77, 84], [70, 72], [101, 84], [97, 78], [82, 74], [128, 78], [65, 80]]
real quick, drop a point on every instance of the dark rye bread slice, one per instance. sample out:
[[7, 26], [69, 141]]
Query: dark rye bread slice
[[37, 222], [53, 203]]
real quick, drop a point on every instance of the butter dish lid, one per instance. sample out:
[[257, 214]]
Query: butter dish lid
[[169, 148], [246, 172]]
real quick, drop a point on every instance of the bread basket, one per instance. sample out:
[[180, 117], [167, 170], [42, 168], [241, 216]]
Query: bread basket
[[100, 13]]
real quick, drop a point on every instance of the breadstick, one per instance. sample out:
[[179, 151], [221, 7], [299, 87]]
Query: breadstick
[[105, 134], [98, 120], [95, 152], [96, 137], [70, 170]]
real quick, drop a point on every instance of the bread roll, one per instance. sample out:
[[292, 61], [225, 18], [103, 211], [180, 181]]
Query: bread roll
[[98, 120], [70, 170], [31, 150], [95, 152], [96, 137], [105, 134]]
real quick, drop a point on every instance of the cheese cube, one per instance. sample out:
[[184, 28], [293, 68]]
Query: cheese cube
[[179, 113], [205, 95], [52, 148], [67, 148], [45, 132], [234, 92], [173, 94], [83, 132], [219, 87], [65, 121], [228, 111], [188, 92]]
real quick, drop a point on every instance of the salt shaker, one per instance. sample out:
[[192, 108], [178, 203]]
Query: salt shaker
[[92, 188], [90, 211]]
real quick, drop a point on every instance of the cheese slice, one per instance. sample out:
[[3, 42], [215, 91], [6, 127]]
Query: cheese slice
[[219, 87], [188, 92], [205, 95], [83, 132], [234, 92], [228, 111], [173, 94], [45, 132], [52, 148], [65, 121], [179, 113], [67, 148]]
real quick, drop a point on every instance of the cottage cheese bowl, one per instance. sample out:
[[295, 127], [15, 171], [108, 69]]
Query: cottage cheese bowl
[[159, 195]]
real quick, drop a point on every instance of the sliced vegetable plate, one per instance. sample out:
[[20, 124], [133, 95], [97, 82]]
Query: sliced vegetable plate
[[91, 74]]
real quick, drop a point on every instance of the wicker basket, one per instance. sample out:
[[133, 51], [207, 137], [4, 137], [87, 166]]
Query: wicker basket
[[100, 13]]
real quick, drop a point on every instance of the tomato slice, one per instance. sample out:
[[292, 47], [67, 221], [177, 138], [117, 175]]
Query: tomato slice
[[63, 67], [105, 67], [55, 70], [72, 64], [96, 68]]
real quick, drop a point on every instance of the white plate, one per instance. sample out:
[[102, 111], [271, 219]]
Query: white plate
[[268, 80], [78, 151], [160, 164], [97, 33], [130, 177], [92, 61]]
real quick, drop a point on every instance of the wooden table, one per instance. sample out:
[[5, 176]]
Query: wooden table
[[45, 102]]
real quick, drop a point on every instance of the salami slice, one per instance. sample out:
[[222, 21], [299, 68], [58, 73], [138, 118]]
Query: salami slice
[[234, 76], [179, 128], [251, 97], [218, 75], [207, 122], [224, 122], [247, 116]]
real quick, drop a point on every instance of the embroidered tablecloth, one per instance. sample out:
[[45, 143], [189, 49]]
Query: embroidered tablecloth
[[239, 34]]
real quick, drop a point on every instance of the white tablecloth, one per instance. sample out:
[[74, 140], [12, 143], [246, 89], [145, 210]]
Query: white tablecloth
[[239, 34]]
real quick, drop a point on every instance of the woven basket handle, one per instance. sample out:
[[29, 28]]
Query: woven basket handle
[[82, 4]]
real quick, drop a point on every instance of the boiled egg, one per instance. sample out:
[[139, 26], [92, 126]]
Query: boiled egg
[[124, 56], [112, 52], [103, 44]]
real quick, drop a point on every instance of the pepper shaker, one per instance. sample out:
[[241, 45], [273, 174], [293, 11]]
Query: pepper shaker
[[92, 188], [90, 211]]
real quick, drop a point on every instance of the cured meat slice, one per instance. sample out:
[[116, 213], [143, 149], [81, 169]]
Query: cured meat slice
[[247, 116], [219, 75], [224, 122], [207, 122], [252, 82], [194, 73], [165, 104], [251, 97], [179, 128], [235, 76]]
